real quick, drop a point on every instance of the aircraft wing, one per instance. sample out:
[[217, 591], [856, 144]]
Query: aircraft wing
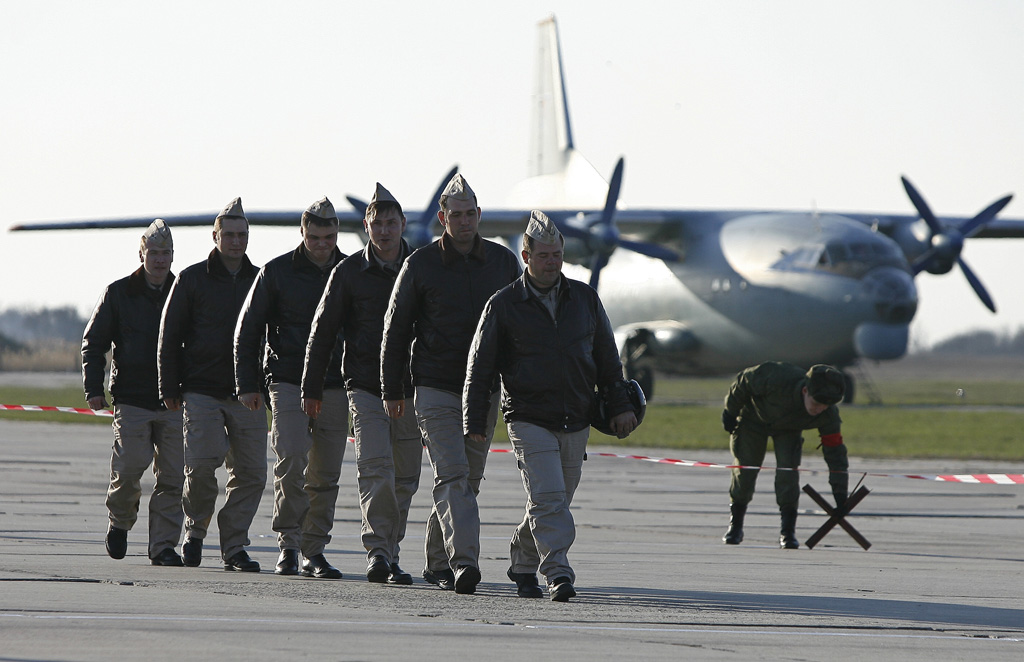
[[349, 221]]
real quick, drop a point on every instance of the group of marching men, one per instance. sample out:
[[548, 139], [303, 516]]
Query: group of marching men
[[419, 348]]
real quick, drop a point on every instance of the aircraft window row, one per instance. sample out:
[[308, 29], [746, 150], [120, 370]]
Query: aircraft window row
[[725, 285]]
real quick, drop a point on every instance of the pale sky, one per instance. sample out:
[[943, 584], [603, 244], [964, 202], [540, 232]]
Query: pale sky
[[125, 108]]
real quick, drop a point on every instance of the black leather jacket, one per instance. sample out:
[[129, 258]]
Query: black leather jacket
[[198, 327], [548, 367], [437, 301], [126, 317], [354, 303], [280, 306]]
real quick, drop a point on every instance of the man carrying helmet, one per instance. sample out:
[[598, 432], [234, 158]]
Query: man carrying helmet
[[550, 341], [780, 400]]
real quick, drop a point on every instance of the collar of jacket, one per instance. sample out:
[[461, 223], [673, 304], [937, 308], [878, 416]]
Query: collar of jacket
[[370, 259], [450, 255], [215, 266], [525, 292], [301, 261], [137, 283]]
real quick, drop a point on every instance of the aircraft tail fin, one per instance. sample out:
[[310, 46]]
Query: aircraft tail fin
[[550, 128], [558, 177]]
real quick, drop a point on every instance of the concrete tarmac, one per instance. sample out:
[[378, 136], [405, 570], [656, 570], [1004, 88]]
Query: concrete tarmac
[[942, 580]]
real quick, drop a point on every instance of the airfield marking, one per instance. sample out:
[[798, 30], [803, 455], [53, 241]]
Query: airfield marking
[[434, 623]]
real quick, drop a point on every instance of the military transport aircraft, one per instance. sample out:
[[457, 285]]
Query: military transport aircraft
[[705, 292]]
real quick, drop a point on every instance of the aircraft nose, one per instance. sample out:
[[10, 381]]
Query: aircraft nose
[[893, 293]]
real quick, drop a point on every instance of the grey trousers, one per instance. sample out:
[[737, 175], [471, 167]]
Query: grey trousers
[[551, 464], [223, 432], [144, 437], [389, 455], [458, 464], [308, 467]]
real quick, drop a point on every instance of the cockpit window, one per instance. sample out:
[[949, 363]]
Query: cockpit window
[[845, 258]]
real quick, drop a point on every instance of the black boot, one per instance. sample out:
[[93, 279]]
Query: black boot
[[787, 532], [734, 535]]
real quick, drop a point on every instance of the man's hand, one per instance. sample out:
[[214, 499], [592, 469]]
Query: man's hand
[[476, 438], [728, 421], [623, 424], [311, 407], [395, 408], [172, 404], [251, 401], [98, 402]]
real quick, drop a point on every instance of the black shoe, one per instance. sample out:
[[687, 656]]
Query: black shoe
[[734, 535], [378, 570], [192, 552], [241, 563], [116, 542], [318, 567], [787, 531], [561, 589], [526, 584], [168, 557], [443, 579], [288, 562], [399, 576], [466, 579]]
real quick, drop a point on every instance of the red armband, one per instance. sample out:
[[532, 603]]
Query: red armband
[[830, 440]]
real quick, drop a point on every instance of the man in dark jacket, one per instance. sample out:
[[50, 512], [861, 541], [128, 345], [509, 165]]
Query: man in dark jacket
[[197, 373], [550, 340], [437, 300], [388, 451], [280, 308], [127, 318], [781, 400]]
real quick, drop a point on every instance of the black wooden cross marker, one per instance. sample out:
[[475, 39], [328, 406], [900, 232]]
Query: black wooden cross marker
[[836, 517]]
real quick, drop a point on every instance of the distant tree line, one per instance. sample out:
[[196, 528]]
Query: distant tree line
[[50, 339], [46, 339]]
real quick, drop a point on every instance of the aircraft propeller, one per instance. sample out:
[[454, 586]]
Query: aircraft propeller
[[602, 237], [947, 242], [419, 229]]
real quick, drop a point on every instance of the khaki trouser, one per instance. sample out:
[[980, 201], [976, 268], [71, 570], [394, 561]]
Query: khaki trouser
[[143, 437], [389, 455], [308, 467], [223, 432], [458, 464], [551, 464]]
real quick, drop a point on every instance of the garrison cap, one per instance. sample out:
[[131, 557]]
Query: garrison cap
[[321, 212], [825, 384], [233, 210], [157, 235], [381, 194], [458, 189], [542, 229]]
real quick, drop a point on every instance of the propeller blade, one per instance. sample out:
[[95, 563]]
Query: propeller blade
[[419, 231], [979, 289], [921, 206], [651, 250], [614, 186], [598, 263], [985, 216], [357, 204]]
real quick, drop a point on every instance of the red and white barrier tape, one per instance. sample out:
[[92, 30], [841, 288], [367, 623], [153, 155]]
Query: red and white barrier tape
[[64, 410], [987, 479]]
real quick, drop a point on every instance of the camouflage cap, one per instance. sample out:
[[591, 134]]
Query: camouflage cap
[[542, 229], [321, 211], [233, 210], [458, 189], [825, 384], [157, 235]]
